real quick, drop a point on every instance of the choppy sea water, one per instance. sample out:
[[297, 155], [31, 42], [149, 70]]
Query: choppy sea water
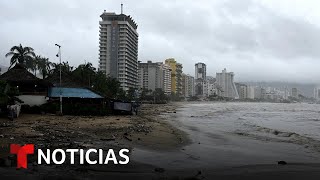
[[235, 134]]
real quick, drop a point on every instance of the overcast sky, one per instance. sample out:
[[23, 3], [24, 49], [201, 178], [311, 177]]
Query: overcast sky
[[259, 40]]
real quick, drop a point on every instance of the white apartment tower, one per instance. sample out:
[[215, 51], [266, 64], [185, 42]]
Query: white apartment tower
[[187, 85], [242, 90], [150, 75], [154, 75], [118, 53], [226, 86], [251, 92], [166, 73]]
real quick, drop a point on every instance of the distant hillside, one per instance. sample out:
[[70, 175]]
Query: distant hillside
[[304, 89]]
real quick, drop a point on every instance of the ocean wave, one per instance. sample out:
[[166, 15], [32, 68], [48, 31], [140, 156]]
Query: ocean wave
[[274, 135], [313, 119]]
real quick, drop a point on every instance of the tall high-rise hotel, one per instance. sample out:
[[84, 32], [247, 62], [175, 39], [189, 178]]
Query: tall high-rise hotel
[[118, 52]]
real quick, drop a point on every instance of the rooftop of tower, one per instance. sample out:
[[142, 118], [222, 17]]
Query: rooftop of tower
[[112, 16]]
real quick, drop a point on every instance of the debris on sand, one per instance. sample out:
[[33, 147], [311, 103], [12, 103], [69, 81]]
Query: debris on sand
[[159, 170], [113, 138], [282, 162], [5, 162], [5, 125], [126, 137]]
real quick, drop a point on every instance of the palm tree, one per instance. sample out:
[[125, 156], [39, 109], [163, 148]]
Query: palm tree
[[21, 55], [34, 65], [43, 65], [85, 72], [65, 68]]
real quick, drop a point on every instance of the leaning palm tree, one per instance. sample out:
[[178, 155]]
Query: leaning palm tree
[[21, 55]]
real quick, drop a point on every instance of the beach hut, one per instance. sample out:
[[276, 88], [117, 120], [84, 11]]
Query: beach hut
[[76, 93], [77, 100], [31, 90]]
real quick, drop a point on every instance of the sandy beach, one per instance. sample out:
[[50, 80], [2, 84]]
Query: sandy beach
[[147, 130]]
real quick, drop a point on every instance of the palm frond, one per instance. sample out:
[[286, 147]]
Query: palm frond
[[10, 54], [14, 48], [28, 49]]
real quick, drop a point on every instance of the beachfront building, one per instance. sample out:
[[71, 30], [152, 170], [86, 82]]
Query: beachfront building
[[259, 92], [187, 85], [316, 93], [150, 75], [251, 92], [176, 76], [200, 79], [245, 91], [242, 90], [118, 49], [179, 79], [200, 71], [226, 85], [286, 93], [211, 86], [166, 73], [294, 93]]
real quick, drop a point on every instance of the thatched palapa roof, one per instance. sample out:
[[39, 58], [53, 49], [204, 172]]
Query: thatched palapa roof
[[20, 75]]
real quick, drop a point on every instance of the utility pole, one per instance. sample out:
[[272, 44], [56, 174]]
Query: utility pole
[[59, 55]]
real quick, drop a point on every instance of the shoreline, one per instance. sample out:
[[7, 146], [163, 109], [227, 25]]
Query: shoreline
[[163, 134]]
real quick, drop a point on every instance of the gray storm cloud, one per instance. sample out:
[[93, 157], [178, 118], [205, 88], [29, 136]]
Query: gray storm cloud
[[257, 42]]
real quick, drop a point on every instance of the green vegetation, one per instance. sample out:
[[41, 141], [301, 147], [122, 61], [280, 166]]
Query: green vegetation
[[157, 96], [175, 97], [3, 94], [7, 94], [43, 65]]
